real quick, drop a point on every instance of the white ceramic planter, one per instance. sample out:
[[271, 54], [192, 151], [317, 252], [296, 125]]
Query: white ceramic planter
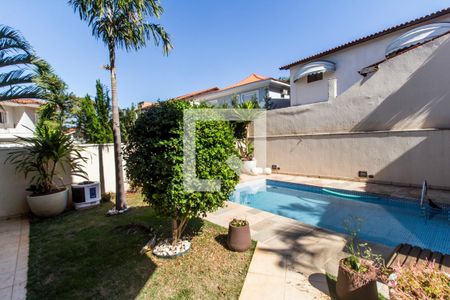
[[248, 165], [48, 205]]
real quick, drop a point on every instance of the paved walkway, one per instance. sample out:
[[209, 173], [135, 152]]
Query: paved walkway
[[291, 257], [14, 242]]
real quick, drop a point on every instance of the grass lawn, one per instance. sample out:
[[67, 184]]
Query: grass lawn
[[85, 255]]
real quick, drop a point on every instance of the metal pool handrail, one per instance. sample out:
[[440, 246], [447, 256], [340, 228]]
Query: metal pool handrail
[[423, 194]]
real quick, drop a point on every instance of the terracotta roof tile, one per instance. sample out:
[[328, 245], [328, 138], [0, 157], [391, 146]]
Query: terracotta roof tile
[[197, 93], [26, 101], [370, 37], [250, 79]]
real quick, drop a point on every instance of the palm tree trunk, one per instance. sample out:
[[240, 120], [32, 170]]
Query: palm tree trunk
[[120, 190]]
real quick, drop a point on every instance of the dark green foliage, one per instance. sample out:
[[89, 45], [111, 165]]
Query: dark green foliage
[[93, 118], [102, 107], [59, 102], [154, 156], [127, 117], [88, 121], [267, 100]]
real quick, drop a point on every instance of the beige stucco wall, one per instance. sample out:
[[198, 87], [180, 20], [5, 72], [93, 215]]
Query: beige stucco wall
[[12, 185], [406, 157]]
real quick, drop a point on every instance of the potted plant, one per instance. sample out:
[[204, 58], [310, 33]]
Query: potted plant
[[245, 147], [418, 281], [46, 157], [357, 274], [244, 144], [239, 235]]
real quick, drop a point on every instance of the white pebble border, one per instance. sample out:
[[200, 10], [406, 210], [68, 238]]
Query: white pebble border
[[166, 249]]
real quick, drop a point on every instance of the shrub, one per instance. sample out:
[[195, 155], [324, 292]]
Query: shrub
[[420, 281], [154, 156]]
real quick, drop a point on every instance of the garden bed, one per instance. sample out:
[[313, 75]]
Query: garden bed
[[85, 255]]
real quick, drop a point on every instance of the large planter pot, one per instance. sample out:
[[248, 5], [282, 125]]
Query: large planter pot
[[248, 165], [48, 205], [239, 238], [348, 288]]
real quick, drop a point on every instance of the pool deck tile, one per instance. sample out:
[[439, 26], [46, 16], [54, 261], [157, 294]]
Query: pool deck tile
[[291, 258], [14, 237]]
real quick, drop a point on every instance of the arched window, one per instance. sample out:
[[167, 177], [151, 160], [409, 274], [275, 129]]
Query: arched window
[[417, 36], [312, 70]]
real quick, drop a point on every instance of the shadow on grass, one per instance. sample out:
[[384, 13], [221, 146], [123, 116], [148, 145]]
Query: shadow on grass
[[85, 255], [222, 240]]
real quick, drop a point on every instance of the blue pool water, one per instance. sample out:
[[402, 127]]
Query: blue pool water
[[388, 221]]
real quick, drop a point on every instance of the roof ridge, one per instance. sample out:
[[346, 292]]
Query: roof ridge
[[369, 37]]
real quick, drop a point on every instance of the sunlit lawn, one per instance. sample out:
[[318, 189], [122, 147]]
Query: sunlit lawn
[[85, 255]]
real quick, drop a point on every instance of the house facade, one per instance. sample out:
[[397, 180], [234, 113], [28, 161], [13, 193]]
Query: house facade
[[17, 118], [345, 71], [379, 105], [255, 87]]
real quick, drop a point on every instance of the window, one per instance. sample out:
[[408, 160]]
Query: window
[[314, 77], [2, 117], [249, 96]]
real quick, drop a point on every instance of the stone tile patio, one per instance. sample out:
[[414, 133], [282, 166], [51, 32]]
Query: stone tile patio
[[14, 237], [291, 257]]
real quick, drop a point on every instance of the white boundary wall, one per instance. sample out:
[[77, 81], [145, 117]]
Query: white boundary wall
[[13, 186]]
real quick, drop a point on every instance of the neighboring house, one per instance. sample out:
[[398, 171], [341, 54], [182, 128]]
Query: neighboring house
[[17, 118], [342, 71], [376, 108], [252, 87]]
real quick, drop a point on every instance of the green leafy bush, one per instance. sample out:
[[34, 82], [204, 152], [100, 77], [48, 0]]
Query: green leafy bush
[[154, 156]]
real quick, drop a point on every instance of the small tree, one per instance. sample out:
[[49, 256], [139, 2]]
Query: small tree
[[128, 117], [102, 107], [154, 156], [93, 117], [87, 121]]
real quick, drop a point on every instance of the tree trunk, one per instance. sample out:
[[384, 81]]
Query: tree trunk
[[120, 190], [178, 227]]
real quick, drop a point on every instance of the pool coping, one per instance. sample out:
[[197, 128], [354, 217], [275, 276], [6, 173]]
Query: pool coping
[[271, 272]]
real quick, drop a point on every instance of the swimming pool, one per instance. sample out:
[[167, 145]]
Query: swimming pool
[[388, 221]]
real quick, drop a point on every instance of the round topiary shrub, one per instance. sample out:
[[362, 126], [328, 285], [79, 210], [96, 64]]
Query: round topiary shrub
[[154, 156]]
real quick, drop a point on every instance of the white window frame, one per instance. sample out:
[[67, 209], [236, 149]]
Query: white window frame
[[251, 93], [4, 118]]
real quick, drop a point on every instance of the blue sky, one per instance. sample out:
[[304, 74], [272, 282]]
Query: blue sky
[[216, 43]]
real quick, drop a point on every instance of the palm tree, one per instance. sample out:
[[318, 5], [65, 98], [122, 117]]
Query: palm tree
[[18, 66], [122, 24]]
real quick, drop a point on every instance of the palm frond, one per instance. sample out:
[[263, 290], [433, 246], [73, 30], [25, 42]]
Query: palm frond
[[14, 77], [124, 24], [159, 35], [14, 60], [11, 39], [21, 92]]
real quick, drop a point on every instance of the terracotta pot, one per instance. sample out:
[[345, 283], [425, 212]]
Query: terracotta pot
[[239, 238], [48, 205], [348, 289]]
